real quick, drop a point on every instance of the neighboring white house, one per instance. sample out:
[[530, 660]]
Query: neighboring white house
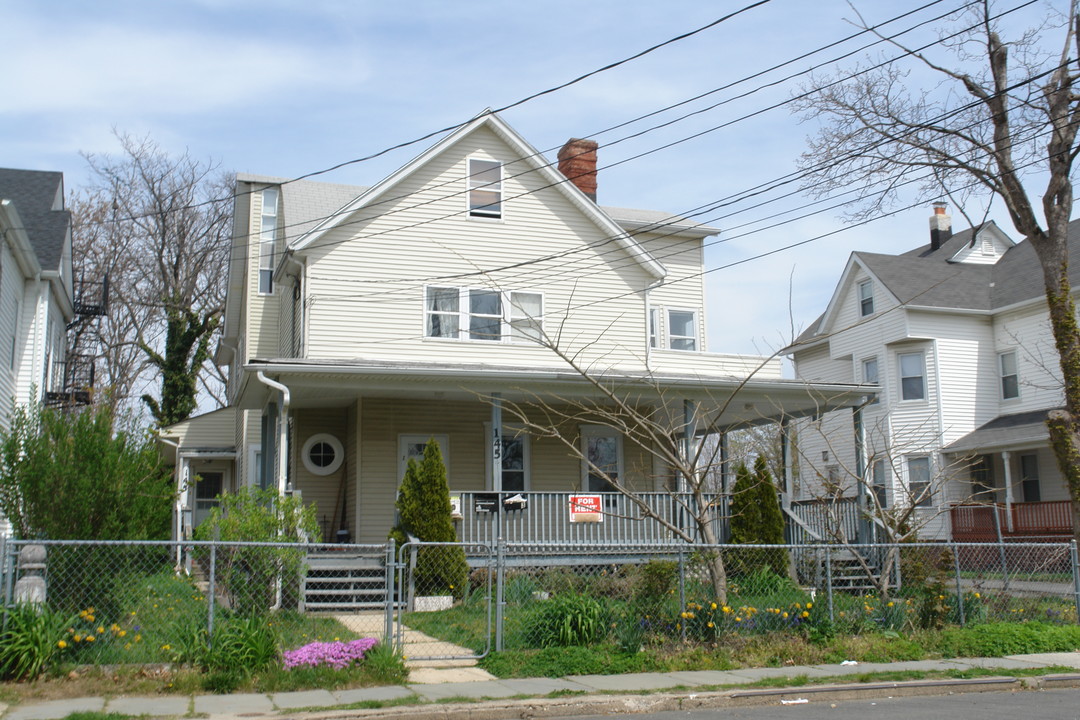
[[36, 302], [957, 336], [362, 322]]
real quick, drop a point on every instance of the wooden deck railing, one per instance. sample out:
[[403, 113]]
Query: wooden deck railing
[[976, 522], [545, 518]]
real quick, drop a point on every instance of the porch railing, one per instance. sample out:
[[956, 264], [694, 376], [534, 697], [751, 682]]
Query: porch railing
[[977, 522], [827, 520], [545, 518]]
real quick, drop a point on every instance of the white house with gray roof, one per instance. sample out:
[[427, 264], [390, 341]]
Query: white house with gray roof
[[956, 334], [363, 321], [36, 301]]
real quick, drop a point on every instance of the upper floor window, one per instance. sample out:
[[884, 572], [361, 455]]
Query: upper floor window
[[682, 329], [912, 376], [879, 484], [267, 238], [1010, 380], [866, 298], [870, 375], [485, 188], [479, 314], [654, 328]]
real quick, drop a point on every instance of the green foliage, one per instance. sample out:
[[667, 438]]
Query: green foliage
[[423, 507], [567, 620], [655, 581], [563, 661], [756, 519], [79, 476], [386, 665], [247, 642], [1000, 639], [249, 574], [32, 642]]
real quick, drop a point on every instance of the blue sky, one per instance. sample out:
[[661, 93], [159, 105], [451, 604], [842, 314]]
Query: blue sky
[[286, 88]]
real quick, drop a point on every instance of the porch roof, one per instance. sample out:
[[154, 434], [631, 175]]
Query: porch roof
[[1019, 430], [328, 383]]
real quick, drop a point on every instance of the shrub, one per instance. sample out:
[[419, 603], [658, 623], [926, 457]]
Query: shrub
[[385, 664], [655, 581], [567, 620], [250, 574], [33, 640], [423, 506], [756, 520], [1000, 639]]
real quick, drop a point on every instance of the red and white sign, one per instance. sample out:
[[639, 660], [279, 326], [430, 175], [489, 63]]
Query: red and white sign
[[586, 508]]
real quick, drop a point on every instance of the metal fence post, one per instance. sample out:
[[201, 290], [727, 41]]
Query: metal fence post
[[388, 627], [682, 590], [828, 582], [211, 593], [411, 600], [959, 589], [1001, 549], [1076, 577], [500, 580]]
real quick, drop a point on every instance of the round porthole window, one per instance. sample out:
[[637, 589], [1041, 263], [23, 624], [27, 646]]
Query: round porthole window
[[322, 454]]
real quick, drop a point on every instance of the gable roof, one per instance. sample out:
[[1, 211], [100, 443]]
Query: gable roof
[[306, 203], [38, 196], [926, 278], [528, 154]]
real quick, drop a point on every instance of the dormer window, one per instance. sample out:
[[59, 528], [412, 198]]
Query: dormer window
[[866, 298], [267, 238], [485, 188]]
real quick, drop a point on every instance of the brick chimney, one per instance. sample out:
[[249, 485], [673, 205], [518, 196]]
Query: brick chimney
[[940, 226], [577, 161]]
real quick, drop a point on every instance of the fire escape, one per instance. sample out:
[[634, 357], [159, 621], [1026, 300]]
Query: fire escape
[[71, 381]]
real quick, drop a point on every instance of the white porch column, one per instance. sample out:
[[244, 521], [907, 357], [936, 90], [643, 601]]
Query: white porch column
[[785, 460], [496, 442], [1005, 457]]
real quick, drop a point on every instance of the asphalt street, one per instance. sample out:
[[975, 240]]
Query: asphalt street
[[1061, 704]]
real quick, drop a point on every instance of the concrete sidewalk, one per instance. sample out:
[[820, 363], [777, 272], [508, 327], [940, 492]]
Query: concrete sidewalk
[[592, 693]]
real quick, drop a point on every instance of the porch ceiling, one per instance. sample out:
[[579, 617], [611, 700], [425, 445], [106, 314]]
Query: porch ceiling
[[738, 402]]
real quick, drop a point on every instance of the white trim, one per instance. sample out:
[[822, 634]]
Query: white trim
[[322, 439]]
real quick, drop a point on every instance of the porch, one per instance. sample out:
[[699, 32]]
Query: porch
[[989, 522]]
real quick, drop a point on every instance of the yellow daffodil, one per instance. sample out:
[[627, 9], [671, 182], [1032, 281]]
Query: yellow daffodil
[[61, 644]]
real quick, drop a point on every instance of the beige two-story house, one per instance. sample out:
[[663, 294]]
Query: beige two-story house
[[362, 322]]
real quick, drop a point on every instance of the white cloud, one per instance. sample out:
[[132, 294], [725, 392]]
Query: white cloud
[[121, 68]]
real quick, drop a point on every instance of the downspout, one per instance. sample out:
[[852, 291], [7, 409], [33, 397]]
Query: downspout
[[282, 456], [283, 429], [178, 517]]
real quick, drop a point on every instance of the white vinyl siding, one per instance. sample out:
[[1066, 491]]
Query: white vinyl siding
[[423, 234]]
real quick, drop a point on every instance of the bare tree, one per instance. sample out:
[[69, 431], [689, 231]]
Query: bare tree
[[158, 226], [1002, 122]]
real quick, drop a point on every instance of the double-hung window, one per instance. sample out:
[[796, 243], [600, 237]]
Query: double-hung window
[[1010, 379], [267, 238], [919, 489], [682, 329], [912, 376], [870, 375], [485, 188], [481, 314], [866, 298], [878, 483], [654, 328]]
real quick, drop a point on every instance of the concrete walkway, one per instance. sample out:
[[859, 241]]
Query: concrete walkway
[[582, 694]]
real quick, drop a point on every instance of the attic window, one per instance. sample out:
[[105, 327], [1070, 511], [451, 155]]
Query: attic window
[[866, 298], [485, 188]]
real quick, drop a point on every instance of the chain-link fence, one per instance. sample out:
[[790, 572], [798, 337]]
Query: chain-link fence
[[126, 602]]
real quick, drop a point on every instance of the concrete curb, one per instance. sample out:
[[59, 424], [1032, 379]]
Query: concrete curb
[[689, 700]]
